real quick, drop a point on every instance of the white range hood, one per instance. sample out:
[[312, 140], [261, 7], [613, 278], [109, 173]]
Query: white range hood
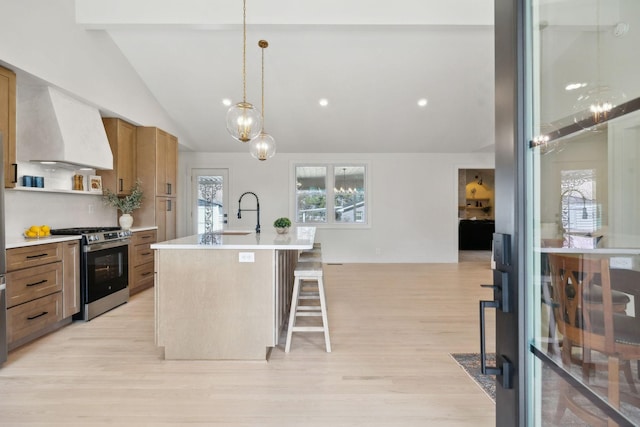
[[54, 127]]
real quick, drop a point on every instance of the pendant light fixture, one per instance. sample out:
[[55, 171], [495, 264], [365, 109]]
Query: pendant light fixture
[[244, 121], [597, 103], [263, 146]]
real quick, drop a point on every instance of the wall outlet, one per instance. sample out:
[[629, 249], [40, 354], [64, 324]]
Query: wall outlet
[[247, 257], [378, 251], [91, 208]]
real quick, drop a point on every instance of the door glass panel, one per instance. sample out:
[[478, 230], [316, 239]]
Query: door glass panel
[[583, 231], [209, 197]]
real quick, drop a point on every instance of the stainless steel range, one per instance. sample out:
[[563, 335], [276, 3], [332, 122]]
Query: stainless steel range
[[104, 268]]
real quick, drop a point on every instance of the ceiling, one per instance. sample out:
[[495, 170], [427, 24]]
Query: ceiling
[[372, 61]]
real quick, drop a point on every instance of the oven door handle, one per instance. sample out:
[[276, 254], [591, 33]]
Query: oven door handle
[[106, 245]]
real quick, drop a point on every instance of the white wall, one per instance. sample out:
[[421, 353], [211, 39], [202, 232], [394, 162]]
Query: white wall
[[41, 38], [413, 201]]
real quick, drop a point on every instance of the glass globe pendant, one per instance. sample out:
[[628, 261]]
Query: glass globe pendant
[[244, 121], [263, 146]]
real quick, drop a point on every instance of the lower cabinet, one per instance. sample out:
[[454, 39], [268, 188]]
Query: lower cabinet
[[141, 256], [43, 289]]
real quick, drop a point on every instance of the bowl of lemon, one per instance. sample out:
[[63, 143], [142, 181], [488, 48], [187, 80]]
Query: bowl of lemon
[[37, 232]]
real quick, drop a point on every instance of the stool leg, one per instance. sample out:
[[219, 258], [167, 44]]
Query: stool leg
[[292, 313], [325, 319]]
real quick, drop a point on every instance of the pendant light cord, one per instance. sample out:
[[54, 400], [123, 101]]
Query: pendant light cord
[[263, 45], [244, 51]]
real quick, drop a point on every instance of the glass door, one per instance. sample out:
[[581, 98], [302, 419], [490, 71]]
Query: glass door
[[582, 229], [209, 199]]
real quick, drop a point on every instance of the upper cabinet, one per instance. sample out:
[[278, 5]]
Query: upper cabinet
[[122, 139], [8, 125], [156, 165], [158, 154]]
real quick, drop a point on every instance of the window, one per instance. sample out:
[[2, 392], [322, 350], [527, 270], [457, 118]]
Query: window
[[580, 212], [338, 189]]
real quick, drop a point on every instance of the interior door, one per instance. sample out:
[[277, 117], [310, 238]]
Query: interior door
[[209, 199]]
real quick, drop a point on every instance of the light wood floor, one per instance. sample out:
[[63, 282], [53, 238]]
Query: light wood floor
[[392, 329]]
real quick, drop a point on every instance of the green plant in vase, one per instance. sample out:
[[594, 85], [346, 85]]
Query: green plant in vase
[[125, 204], [282, 225]]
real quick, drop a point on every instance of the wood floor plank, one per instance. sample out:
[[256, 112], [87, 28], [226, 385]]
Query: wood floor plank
[[392, 329]]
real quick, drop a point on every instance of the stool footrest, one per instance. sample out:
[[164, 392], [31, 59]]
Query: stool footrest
[[308, 329]]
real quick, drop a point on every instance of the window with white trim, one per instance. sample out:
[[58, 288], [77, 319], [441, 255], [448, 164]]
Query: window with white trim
[[331, 194]]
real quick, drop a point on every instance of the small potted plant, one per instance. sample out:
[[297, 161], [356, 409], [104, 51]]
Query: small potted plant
[[282, 225], [126, 204]]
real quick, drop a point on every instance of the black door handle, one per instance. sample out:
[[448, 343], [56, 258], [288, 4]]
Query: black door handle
[[506, 370]]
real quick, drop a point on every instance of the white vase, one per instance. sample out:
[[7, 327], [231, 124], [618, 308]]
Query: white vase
[[126, 221]]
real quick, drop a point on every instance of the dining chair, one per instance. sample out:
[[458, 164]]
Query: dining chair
[[591, 315]]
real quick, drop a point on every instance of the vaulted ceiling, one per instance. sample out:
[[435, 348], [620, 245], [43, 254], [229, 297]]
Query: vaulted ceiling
[[372, 61]]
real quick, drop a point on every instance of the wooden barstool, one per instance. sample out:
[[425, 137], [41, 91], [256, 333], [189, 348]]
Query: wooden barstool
[[308, 271]]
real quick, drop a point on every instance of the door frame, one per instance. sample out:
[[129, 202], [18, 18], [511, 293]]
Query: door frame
[[510, 152]]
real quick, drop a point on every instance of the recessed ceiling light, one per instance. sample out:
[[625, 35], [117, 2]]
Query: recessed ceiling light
[[226, 102], [323, 102], [422, 102], [574, 86]]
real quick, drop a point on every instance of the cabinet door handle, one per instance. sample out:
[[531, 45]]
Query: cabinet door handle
[[121, 184], [38, 315], [15, 173], [168, 188], [36, 256], [146, 253], [37, 283], [168, 205], [145, 237], [146, 273]]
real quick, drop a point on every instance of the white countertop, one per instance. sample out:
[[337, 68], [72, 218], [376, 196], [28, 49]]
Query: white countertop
[[298, 238], [19, 241], [144, 228]]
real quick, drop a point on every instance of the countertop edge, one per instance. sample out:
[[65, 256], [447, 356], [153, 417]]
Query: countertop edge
[[20, 242], [143, 228]]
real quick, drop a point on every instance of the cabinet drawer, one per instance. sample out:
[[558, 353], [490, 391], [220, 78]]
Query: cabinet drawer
[[32, 283], [143, 272], [30, 256], [142, 254], [143, 277], [25, 319], [142, 237]]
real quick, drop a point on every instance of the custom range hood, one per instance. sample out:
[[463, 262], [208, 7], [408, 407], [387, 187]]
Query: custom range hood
[[54, 127]]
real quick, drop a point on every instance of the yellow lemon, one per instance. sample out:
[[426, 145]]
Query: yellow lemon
[[34, 228], [45, 228], [42, 233], [31, 234]]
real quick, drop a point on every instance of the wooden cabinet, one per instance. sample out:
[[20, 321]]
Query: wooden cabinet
[[141, 260], [156, 165], [8, 125], [70, 278], [34, 292], [122, 139]]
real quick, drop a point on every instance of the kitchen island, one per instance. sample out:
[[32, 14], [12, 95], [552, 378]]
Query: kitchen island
[[225, 295]]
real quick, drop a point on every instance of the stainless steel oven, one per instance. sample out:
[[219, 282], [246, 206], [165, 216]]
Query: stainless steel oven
[[104, 269]]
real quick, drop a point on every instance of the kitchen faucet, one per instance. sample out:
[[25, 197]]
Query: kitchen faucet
[[257, 209]]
